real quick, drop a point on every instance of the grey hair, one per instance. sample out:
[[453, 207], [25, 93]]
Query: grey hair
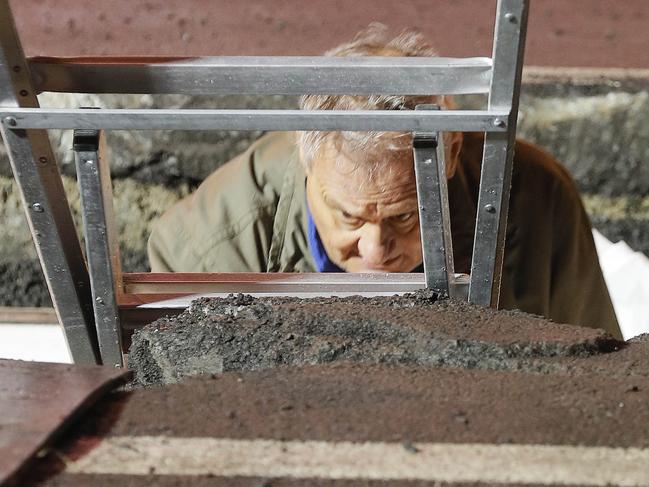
[[373, 41]]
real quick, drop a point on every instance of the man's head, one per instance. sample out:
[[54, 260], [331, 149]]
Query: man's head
[[361, 185]]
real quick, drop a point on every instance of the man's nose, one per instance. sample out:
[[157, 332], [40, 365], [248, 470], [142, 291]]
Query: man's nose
[[375, 244]]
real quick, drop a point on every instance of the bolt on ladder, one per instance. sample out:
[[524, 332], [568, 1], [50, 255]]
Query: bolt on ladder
[[94, 299]]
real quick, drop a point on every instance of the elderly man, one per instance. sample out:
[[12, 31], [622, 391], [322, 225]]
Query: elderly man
[[347, 202]]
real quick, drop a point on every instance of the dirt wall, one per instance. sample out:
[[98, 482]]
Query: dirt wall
[[598, 129], [602, 33], [600, 133]]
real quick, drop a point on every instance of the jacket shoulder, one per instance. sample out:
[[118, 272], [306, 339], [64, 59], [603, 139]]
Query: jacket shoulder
[[530, 161], [227, 222]]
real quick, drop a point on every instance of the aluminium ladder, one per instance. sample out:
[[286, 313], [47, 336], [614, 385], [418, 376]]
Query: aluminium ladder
[[93, 298]]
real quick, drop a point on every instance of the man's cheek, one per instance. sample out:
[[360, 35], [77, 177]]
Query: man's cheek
[[411, 246], [344, 245]]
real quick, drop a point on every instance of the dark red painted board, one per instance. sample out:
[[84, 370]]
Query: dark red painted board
[[38, 400]]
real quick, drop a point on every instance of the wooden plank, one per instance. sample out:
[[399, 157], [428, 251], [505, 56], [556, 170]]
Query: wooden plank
[[33, 316], [39, 400]]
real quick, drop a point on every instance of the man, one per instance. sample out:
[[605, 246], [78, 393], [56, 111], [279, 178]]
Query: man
[[346, 201]]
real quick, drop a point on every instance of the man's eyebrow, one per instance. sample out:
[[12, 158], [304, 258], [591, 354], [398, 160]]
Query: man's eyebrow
[[333, 202], [407, 205]]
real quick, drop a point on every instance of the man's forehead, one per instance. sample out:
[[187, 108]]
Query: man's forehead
[[347, 182], [372, 177], [366, 161], [366, 203]]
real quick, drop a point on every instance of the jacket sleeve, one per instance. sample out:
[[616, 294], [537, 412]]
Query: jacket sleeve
[[551, 267], [578, 293], [224, 226]]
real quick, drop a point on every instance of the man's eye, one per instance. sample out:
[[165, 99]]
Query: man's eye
[[404, 217], [349, 219]]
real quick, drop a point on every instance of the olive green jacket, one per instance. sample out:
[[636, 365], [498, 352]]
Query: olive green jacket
[[250, 216]]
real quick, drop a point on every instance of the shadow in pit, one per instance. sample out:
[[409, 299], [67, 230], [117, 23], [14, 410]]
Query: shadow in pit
[[79, 439]]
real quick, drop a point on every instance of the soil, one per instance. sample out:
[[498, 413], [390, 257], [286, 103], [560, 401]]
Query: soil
[[362, 402], [240, 333], [405, 369], [346, 402], [22, 284]]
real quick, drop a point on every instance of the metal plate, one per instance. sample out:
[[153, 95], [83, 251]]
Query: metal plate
[[38, 400], [293, 75]]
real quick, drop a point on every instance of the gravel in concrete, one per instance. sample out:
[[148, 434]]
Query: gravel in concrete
[[245, 333]]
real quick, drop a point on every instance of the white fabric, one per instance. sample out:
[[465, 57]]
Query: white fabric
[[626, 273], [43, 343]]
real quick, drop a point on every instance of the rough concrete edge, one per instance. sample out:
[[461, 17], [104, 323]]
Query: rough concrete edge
[[445, 351], [619, 78]]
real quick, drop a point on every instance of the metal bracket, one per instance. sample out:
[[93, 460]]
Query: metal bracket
[[434, 214], [93, 175]]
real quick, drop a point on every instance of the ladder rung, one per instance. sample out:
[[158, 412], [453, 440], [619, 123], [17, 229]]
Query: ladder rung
[[289, 283], [292, 75], [208, 119]]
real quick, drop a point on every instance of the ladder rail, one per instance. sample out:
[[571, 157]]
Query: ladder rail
[[498, 155], [102, 249], [46, 207], [434, 212], [23, 124]]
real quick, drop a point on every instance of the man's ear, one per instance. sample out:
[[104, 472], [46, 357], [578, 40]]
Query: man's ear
[[454, 153], [302, 156]]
